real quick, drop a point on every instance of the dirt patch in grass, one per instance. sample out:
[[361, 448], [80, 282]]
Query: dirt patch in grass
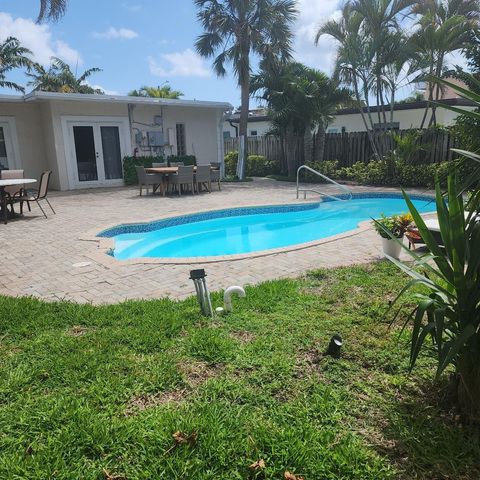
[[139, 403], [308, 363], [243, 336], [77, 331], [195, 374]]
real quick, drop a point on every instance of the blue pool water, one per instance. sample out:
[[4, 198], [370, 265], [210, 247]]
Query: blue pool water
[[245, 230]]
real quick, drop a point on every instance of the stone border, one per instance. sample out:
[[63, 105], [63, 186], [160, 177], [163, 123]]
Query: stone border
[[106, 244]]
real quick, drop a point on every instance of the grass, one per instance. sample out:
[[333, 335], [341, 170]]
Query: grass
[[97, 392]]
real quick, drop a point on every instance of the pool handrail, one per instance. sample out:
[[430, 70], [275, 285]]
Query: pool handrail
[[328, 179]]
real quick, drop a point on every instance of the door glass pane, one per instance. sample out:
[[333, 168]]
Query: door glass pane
[[3, 150], [112, 157], [85, 153]]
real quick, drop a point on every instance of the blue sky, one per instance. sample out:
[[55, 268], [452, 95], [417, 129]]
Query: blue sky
[[147, 42]]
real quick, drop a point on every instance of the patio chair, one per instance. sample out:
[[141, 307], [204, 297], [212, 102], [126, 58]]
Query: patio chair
[[159, 164], [34, 195], [203, 178], [146, 179], [176, 164], [182, 178], [215, 173], [14, 190]]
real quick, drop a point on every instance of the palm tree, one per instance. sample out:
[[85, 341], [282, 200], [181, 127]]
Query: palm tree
[[51, 9], [300, 99], [12, 55], [234, 30], [443, 27], [354, 60], [163, 91], [60, 78]]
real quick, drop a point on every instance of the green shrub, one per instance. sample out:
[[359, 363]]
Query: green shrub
[[129, 163], [257, 165]]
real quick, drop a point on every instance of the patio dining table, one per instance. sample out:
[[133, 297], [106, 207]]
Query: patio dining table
[[10, 182], [165, 171]]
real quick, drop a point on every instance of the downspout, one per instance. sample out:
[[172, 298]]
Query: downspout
[[233, 126], [130, 108]]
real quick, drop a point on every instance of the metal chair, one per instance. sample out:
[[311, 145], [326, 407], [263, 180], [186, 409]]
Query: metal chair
[[146, 179], [203, 177], [34, 195], [182, 178], [14, 190], [215, 173]]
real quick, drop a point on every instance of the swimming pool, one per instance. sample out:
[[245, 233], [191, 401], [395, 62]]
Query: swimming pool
[[245, 230]]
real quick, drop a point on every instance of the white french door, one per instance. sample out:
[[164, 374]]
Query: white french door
[[95, 150]]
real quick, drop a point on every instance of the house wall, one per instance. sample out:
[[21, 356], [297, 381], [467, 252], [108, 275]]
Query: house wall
[[201, 129], [260, 127], [30, 148], [407, 118]]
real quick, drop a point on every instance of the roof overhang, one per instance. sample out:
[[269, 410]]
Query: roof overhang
[[82, 97]]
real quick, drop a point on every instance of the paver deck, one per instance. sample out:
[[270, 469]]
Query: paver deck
[[58, 258]]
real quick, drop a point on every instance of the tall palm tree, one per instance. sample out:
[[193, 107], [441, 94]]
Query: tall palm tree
[[299, 100], [443, 26], [60, 78], [162, 91], [354, 60], [234, 30], [12, 56], [51, 9]]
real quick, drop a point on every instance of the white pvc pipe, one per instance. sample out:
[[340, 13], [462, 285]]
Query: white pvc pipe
[[227, 296]]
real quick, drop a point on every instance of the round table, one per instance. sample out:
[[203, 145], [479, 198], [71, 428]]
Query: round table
[[10, 182]]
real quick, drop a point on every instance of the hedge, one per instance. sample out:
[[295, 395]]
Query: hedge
[[257, 165], [129, 163]]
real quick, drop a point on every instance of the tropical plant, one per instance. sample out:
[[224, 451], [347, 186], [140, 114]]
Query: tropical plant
[[51, 9], [60, 78], [299, 100], [396, 225], [162, 91], [12, 56], [234, 30], [443, 26], [373, 57], [450, 312]]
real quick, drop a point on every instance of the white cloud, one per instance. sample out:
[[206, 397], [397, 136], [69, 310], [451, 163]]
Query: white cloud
[[104, 90], [38, 39], [313, 13], [113, 33], [180, 64], [134, 8]]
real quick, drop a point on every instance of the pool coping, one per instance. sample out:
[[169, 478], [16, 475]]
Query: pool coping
[[106, 244]]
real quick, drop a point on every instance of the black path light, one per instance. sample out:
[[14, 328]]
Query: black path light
[[335, 346], [203, 295]]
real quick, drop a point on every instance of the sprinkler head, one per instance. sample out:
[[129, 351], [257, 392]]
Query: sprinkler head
[[335, 346], [197, 274]]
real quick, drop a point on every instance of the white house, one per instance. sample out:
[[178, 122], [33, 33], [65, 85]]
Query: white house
[[258, 124], [405, 116], [83, 138]]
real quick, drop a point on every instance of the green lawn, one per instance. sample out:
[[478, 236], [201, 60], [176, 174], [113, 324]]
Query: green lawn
[[97, 392]]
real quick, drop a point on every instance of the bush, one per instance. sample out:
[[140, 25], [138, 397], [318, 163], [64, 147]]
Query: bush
[[129, 163], [257, 165]]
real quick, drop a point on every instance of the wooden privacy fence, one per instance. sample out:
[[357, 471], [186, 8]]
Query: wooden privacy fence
[[349, 148]]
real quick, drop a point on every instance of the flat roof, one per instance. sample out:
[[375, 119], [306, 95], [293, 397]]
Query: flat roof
[[86, 97]]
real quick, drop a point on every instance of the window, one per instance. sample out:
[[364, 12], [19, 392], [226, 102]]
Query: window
[[181, 140], [332, 130], [253, 133], [226, 135], [387, 126]]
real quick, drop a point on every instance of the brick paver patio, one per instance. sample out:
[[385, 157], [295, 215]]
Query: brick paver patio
[[58, 257]]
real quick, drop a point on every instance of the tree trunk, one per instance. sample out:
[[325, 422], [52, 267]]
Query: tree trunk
[[320, 151], [291, 150], [468, 390], [308, 145], [430, 97], [244, 110], [364, 118]]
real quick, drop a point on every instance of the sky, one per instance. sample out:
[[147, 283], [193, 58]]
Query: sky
[[147, 42]]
